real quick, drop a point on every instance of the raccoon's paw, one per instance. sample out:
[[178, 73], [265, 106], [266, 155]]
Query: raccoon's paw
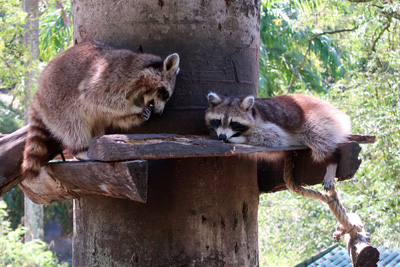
[[82, 156], [238, 140], [328, 185], [146, 114], [329, 179]]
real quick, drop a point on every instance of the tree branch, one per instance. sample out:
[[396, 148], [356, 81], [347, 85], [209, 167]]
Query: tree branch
[[393, 14], [65, 17], [379, 36], [9, 66], [360, 1], [309, 49]]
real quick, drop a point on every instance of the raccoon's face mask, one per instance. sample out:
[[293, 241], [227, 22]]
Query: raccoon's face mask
[[229, 117], [162, 93]]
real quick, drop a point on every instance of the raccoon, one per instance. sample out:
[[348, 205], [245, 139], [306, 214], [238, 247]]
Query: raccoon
[[286, 120], [92, 86]]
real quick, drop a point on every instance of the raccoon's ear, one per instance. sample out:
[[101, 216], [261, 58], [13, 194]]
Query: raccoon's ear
[[247, 103], [213, 99], [171, 64]]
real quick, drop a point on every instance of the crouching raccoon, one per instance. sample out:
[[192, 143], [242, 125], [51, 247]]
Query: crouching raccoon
[[92, 86]]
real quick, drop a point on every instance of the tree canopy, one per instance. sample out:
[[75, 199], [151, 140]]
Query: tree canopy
[[351, 54]]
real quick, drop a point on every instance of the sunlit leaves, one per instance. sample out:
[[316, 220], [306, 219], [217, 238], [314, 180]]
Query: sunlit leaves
[[15, 252], [283, 48], [12, 20], [55, 35], [366, 85]]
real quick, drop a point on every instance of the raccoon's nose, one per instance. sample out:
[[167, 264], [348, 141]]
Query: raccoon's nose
[[222, 137], [150, 104]]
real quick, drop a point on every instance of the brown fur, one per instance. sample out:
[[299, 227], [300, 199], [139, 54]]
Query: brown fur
[[89, 87]]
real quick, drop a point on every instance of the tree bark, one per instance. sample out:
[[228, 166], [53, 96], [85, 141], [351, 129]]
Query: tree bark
[[60, 181], [200, 212], [361, 253]]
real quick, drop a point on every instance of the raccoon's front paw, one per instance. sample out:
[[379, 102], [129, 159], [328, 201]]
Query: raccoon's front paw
[[146, 114], [238, 140]]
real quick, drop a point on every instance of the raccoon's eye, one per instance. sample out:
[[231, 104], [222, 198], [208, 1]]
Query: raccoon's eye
[[236, 134], [238, 127], [163, 93], [215, 123]]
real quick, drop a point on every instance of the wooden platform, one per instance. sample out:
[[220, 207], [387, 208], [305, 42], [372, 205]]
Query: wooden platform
[[119, 166]]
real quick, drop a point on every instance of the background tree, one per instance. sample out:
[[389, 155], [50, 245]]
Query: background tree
[[33, 218], [366, 86], [17, 63]]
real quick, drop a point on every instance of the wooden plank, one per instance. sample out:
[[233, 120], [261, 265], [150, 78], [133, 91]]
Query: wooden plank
[[127, 147], [362, 138], [70, 180], [307, 172], [161, 146]]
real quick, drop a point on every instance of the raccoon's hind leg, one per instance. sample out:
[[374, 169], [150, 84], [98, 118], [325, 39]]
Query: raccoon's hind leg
[[80, 152], [329, 179], [77, 137], [323, 150]]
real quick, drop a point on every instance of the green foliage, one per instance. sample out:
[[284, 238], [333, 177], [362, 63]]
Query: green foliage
[[62, 211], [14, 252], [293, 228], [374, 108], [9, 119], [15, 206], [55, 35], [284, 43], [12, 50]]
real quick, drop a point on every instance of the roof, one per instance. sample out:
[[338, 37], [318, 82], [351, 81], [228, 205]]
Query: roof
[[337, 256]]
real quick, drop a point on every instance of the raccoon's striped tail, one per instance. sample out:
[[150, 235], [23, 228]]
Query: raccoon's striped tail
[[36, 150]]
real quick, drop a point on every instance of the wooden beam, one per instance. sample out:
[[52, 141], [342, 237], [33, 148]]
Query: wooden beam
[[162, 146], [61, 181], [151, 146], [158, 146], [307, 172], [362, 138], [11, 155]]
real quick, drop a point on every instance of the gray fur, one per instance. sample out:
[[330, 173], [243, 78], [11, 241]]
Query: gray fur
[[287, 120]]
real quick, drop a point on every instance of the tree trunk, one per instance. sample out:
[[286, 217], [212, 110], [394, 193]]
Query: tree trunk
[[200, 212], [33, 212], [31, 41]]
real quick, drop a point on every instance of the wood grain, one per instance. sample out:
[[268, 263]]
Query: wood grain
[[72, 180]]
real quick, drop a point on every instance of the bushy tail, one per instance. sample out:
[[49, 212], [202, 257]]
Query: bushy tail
[[36, 150]]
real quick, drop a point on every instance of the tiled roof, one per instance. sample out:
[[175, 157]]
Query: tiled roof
[[337, 256]]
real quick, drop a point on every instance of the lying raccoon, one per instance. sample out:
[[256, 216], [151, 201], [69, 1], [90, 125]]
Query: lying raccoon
[[286, 120], [92, 86]]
